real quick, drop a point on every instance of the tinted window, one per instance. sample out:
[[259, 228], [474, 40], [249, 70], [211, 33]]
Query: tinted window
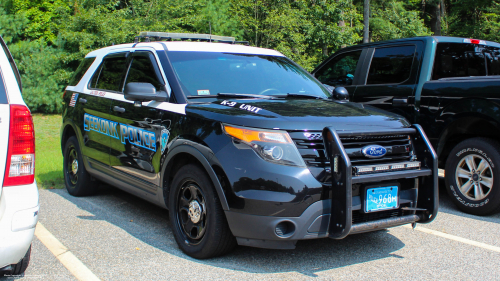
[[109, 74], [459, 60], [493, 61], [340, 70], [80, 71], [210, 73], [142, 70], [391, 65]]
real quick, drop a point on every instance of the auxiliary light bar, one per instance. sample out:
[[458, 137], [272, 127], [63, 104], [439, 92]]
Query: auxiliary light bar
[[368, 169]]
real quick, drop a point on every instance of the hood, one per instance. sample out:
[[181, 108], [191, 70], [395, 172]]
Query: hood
[[297, 114]]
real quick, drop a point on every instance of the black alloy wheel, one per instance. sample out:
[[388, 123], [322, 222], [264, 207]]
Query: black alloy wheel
[[192, 212], [196, 216], [76, 177]]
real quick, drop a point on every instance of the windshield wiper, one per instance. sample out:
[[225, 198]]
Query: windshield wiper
[[296, 95], [230, 95]]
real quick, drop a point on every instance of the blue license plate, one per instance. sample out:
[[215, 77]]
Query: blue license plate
[[381, 198]]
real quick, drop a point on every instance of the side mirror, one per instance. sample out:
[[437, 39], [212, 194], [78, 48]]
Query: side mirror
[[136, 91], [341, 94]]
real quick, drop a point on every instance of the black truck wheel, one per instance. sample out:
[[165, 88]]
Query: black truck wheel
[[196, 216], [473, 177], [76, 178]]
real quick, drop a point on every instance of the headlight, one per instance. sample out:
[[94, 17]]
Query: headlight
[[273, 146]]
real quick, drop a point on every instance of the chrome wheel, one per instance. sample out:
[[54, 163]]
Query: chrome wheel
[[474, 177], [72, 170], [192, 212]]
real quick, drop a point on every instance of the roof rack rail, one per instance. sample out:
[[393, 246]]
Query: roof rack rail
[[159, 36]]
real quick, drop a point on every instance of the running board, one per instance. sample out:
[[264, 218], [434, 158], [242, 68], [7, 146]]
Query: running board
[[382, 224]]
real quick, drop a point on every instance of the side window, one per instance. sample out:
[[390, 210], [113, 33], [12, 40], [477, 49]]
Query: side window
[[493, 61], [461, 60], [340, 70], [81, 70], [142, 70], [109, 74], [391, 65]]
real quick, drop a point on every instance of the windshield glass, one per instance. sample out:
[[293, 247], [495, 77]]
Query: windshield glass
[[209, 73]]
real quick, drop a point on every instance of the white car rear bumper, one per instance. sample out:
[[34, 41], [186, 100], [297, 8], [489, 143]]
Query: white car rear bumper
[[18, 217]]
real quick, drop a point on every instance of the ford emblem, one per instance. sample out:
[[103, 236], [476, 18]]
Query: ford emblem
[[374, 151]]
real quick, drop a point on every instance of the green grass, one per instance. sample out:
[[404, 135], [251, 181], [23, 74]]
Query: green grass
[[49, 160]]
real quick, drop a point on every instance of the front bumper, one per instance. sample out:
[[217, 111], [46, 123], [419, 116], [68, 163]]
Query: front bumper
[[342, 214], [18, 216]]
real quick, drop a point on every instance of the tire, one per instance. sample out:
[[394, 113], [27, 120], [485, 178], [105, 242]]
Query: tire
[[20, 268], [472, 176], [76, 177], [198, 222]]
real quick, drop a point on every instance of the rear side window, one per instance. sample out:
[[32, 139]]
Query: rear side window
[[81, 70], [391, 65], [109, 74], [493, 61], [464, 60], [340, 70], [3, 93]]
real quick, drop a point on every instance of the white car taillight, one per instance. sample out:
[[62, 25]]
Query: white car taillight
[[20, 167]]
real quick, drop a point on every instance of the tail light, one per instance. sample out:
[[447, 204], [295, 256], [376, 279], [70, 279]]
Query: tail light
[[64, 94], [20, 167]]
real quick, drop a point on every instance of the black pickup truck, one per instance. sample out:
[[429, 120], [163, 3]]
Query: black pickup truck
[[451, 87]]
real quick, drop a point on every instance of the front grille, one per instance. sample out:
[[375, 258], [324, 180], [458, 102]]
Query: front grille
[[359, 217], [312, 150]]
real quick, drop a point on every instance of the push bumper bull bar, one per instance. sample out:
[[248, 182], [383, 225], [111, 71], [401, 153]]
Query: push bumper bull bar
[[342, 180]]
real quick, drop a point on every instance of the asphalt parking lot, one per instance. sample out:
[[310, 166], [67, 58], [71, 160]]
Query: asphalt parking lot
[[116, 236]]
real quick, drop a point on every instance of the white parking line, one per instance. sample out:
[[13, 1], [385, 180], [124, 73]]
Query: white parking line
[[456, 238], [72, 263]]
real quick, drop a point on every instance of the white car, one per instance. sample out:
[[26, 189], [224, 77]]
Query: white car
[[18, 191]]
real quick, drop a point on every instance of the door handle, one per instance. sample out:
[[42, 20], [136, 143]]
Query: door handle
[[82, 100], [399, 102], [118, 109]]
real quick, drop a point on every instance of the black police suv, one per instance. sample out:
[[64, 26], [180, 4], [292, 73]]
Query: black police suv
[[241, 145]]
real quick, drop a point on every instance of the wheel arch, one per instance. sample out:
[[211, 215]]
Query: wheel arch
[[185, 154], [464, 127], [67, 132]]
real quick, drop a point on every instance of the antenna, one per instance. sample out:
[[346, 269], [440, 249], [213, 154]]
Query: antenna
[[210, 25]]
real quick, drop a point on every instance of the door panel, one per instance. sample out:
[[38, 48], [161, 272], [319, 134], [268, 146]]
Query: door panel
[[137, 152], [95, 106], [390, 79]]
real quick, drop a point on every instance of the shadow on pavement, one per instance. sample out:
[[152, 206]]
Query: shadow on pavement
[[149, 224]]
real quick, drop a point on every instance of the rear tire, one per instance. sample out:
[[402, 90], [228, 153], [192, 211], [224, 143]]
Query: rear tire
[[198, 222], [20, 268], [76, 177], [472, 175]]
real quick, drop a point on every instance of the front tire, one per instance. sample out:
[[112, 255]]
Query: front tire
[[76, 177], [472, 176], [196, 216]]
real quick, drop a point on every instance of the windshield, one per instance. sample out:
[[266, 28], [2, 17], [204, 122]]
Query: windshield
[[209, 73]]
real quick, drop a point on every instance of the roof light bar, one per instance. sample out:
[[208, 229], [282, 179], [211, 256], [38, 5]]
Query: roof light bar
[[368, 169], [148, 35], [475, 41]]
